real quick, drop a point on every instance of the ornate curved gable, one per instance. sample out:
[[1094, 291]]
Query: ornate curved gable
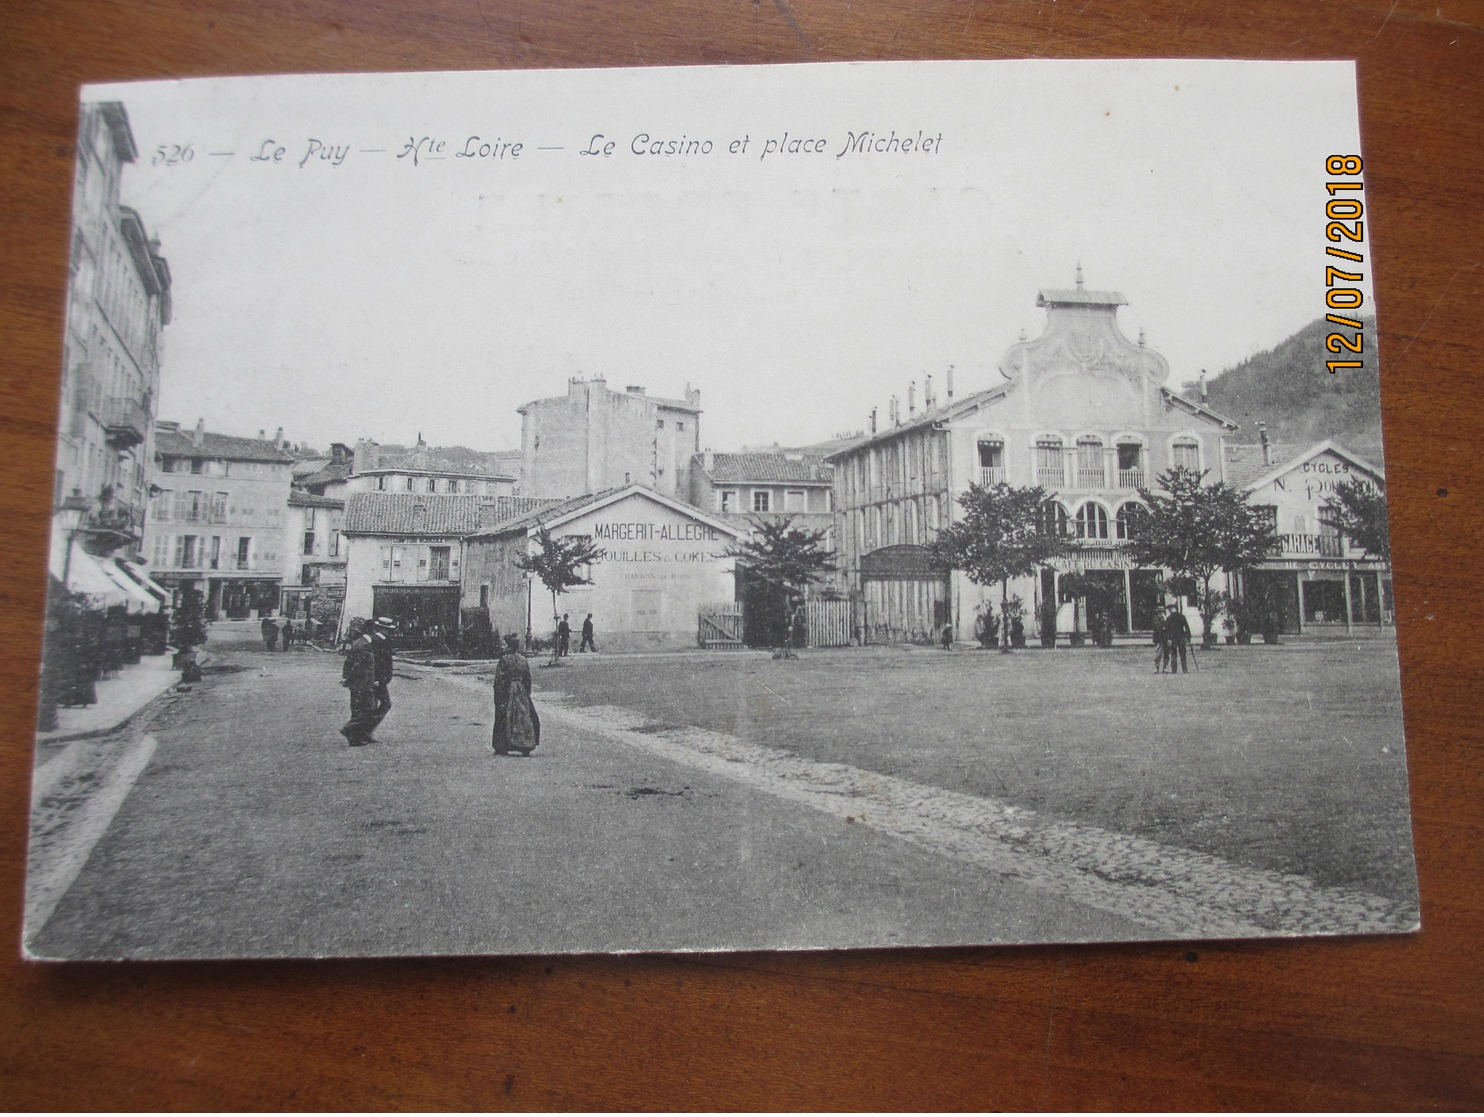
[[1082, 371]]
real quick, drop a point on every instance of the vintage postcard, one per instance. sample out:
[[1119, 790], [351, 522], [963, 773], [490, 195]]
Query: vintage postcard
[[724, 508]]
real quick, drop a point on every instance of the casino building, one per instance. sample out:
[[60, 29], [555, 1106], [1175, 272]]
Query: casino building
[[1081, 411], [665, 563]]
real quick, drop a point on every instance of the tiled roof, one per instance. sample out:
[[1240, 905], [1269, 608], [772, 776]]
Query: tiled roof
[[545, 510], [742, 468], [226, 447], [1244, 463], [430, 513], [299, 499]]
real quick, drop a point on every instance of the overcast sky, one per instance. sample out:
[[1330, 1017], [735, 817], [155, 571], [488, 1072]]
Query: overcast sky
[[378, 298]]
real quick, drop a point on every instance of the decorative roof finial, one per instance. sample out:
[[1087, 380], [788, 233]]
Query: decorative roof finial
[[1141, 335], [1079, 275], [1022, 333]]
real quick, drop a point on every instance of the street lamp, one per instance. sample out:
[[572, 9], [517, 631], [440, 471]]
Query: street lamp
[[73, 509]]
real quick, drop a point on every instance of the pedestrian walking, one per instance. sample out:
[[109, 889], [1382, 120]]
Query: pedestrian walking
[[587, 644], [287, 635], [1177, 630], [564, 636], [381, 653], [1161, 643], [358, 675], [517, 726], [947, 638], [269, 629]]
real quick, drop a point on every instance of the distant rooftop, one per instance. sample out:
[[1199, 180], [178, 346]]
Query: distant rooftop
[[171, 441], [762, 467]]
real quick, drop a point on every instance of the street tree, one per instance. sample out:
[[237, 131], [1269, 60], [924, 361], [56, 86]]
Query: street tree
[[558, 562], [781, 561], [1358, 512], [1004, 533], [1195, 530]]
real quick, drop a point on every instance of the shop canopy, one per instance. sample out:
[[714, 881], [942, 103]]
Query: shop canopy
[[87, 576], [140, 574], [138, 600]]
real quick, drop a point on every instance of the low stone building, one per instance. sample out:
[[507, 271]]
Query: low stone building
[[665, 562]]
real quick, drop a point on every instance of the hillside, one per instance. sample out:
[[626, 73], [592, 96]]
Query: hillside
[[1289, 388]]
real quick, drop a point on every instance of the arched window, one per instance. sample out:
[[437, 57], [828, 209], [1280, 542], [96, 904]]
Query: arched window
[[1092, 521], [1130, 520], [1049, 473], [1090, 473], [1185, 453], [1053, 518]]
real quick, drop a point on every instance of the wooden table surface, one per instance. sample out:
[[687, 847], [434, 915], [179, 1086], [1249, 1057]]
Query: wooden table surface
[[1368, 1023]]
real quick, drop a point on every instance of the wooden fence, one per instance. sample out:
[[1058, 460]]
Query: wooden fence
[[720, 625], [829, 624]]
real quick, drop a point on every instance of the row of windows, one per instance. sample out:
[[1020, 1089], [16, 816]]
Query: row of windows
[[419, 563], [215, 467], [197, 506], [763, 500], [1088, 464], [432, 485], [201, 552]]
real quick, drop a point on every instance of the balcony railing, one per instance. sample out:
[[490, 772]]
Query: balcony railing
[[125, 422], [1325, 546], [116, 518], [1130, 478], [1091, 477], [991, 474]]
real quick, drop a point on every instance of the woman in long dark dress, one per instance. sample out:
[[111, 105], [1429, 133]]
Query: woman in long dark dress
[[517, 727]]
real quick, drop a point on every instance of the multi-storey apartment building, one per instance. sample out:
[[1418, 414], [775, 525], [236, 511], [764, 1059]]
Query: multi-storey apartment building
[[594, 438], [1081, 411], [118, 304], [218, 518]]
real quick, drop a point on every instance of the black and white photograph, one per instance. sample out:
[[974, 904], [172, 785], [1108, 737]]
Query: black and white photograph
[[719, 508]]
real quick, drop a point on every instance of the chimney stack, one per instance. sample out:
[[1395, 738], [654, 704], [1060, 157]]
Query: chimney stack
[[1204, 396], [873, 420], [950, 383], [912, 397], [1267, 449], [198, 438], [278, 438]]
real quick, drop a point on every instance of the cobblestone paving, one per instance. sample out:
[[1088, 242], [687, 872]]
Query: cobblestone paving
[[1172, 891]]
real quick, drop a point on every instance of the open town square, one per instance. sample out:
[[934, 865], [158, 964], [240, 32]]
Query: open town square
[[733, 799]]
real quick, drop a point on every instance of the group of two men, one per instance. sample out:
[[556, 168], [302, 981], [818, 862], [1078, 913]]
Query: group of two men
[[564, 636], [368, 675], [1171, 638]]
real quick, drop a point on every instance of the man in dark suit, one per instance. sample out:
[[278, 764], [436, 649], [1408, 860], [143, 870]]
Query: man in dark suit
[[564, 636], [381, 651], [359, 676]]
